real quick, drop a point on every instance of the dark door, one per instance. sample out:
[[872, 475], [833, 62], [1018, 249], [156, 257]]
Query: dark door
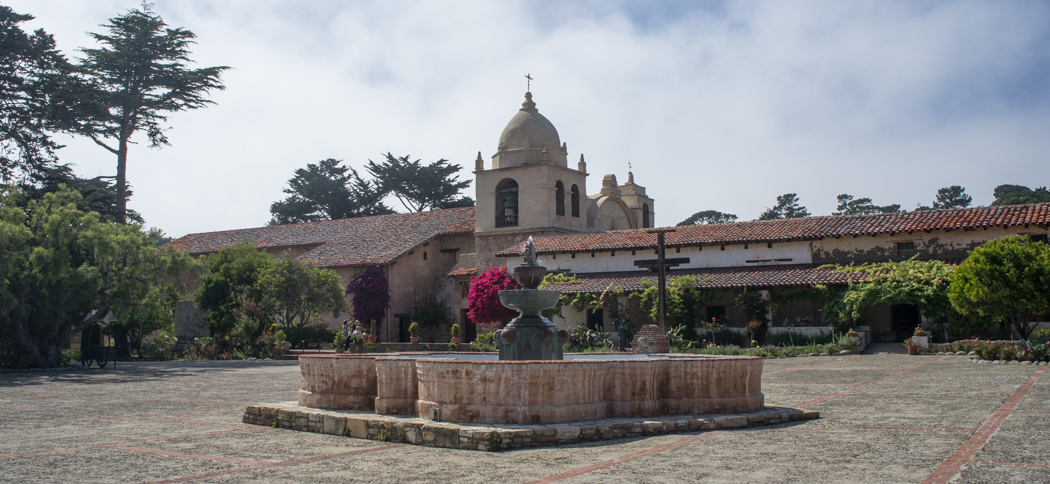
[[470, 330], [905, 319], [403, 320]]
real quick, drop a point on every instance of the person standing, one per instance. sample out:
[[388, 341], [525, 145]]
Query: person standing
[[346, 333]]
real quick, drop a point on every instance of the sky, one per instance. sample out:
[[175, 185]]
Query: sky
[[717, 105]]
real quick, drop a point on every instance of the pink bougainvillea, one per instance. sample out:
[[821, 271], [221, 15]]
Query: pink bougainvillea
[[371, 295], [483, 306]]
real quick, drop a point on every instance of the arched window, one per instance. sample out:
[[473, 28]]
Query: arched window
[[507, 203], [645, 215], [575, 201], [559, 198]]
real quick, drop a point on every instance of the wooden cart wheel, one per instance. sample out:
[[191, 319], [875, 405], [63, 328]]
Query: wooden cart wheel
[[102, 359]]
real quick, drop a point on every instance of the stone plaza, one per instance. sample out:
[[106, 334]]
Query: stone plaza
[[883, 418]]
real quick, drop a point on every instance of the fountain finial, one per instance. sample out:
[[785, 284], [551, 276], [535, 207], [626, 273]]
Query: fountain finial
[[529, 254]]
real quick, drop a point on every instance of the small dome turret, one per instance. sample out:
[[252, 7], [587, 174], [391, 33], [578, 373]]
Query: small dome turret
[[529, 139]]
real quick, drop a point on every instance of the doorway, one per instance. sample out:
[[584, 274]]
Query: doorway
[[905, 319]]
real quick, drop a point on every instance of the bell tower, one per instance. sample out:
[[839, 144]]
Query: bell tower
[[528, 189]]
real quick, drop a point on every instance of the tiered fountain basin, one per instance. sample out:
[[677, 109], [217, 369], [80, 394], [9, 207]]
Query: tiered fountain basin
[[478, 388]]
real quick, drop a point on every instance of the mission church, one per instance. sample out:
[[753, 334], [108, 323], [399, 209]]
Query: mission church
[[529, 189]]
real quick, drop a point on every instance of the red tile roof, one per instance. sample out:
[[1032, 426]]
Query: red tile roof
[[715, 278], [809, 228], [463, 272], [344, 242]]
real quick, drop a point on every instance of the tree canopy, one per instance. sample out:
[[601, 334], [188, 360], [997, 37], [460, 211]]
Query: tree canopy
[[301, 292], [1006, 280], [1018, 195], [137, 76], [327, 191], [246, 290], [847, 205], [32, 73], [229, 292], [787, 207], [952, 197], [418, 186], [61, 262], [949, 197], [708, 217]]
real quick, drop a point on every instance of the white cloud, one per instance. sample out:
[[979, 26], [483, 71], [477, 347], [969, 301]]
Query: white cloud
[[722, 109]]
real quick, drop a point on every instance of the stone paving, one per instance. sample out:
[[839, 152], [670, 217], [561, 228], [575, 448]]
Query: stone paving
[[884, 418]]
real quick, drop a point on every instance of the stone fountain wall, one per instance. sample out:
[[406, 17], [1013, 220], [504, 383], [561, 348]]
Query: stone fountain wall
[[532, 392]]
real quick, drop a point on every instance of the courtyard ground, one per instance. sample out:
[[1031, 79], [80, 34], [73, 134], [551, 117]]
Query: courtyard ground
[[884, 418]]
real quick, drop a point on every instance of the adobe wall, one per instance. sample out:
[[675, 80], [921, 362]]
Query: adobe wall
[[419, 274], [939, 244]]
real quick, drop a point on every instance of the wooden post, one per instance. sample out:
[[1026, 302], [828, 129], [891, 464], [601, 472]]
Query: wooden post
[[661, 275]]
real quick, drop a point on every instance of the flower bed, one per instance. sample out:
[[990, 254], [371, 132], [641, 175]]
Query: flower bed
[[1035, 349]]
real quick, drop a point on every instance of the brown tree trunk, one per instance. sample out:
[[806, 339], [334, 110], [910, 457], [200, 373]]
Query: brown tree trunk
[[122, 179]]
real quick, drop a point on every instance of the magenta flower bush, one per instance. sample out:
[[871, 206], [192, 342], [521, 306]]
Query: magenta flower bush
[[483, 304], [371, 295]]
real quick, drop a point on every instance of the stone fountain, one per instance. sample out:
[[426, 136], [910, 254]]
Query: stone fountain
[[531, 382], [530, 336]]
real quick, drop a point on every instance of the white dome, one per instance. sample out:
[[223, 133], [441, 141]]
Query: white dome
[[529, 139]]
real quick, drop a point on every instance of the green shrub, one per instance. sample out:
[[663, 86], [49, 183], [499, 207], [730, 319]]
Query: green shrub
[[311, 332], [1008, 352], [162, 347], [1040, 337], [69, 356], [987, 350], [1033, 351], [582, 339]]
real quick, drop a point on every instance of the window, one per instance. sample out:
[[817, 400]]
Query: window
[[575, 201], [906, 249], [507, 203], [645, 216], [1038, 238], [716, 312], [596, 319], [559, 198]]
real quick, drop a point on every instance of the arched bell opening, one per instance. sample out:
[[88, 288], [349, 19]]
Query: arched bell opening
[[507, 203]]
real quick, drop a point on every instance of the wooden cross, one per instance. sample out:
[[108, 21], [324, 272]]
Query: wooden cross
[[661, 272], [528, 83]]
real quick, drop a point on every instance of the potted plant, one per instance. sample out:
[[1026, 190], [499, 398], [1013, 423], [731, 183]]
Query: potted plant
[[372, 332], [413, 332], [851, 333], [339, 343], [455, 334], [279, 343], [912, 345], [920, 337]]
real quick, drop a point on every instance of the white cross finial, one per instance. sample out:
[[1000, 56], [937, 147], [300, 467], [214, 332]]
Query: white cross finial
[[528, 83]]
